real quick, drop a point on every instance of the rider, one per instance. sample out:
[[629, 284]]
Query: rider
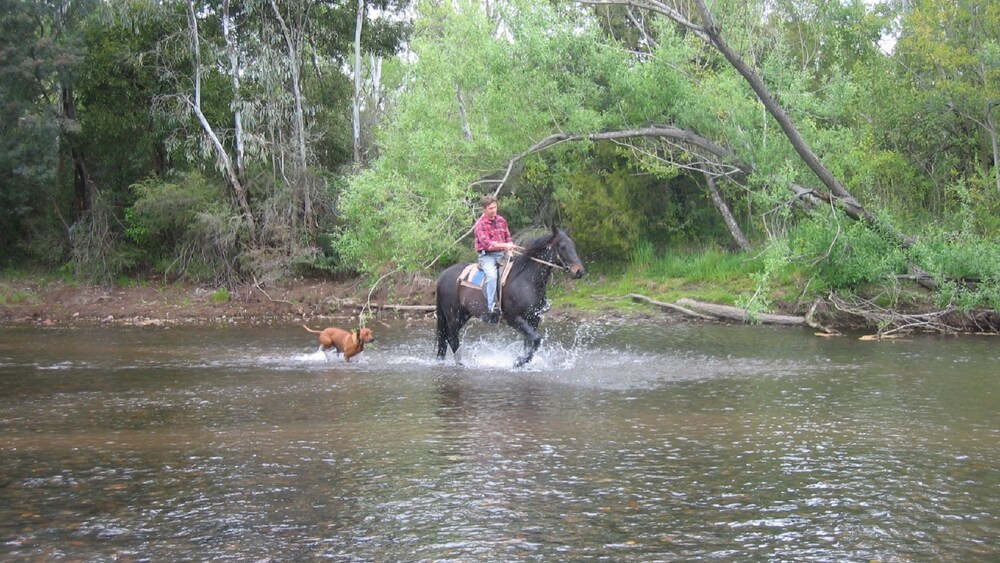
[[492, 240]]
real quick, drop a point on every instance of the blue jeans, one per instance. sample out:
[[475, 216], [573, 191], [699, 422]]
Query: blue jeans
[[488, 264]]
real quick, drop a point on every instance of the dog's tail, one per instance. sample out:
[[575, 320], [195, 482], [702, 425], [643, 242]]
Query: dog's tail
[[311, 330]]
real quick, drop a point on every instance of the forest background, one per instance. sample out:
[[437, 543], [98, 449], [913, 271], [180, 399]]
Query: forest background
[[771, 154]]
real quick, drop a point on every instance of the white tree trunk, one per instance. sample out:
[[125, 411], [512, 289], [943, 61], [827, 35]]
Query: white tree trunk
[[293, 42], [357, 82], [234, 73], [225, 162]]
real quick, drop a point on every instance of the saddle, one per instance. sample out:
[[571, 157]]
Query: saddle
[[474, 277]]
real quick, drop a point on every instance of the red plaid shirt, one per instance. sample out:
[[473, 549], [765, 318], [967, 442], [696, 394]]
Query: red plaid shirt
[[488, 232]]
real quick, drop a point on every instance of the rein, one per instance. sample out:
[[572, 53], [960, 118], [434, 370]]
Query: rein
[[550, 264], [547, 263]]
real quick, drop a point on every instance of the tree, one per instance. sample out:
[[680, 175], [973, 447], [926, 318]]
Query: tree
[[951, 51], [41, 47]]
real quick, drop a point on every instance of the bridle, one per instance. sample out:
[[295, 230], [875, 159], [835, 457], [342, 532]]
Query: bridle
[[561, 265]]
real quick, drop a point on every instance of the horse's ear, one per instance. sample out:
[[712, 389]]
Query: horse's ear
[[555, 229]]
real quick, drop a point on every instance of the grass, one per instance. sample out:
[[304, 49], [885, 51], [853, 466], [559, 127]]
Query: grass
[[710, 275], [12, 293], [221, 295], [13, 297]]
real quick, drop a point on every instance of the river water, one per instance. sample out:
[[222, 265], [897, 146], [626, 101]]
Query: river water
[[632, 441]]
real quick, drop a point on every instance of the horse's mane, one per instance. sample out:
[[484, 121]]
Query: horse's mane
[[532, 248]]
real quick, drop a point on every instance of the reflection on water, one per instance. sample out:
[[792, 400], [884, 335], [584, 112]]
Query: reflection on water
[[620, 441]]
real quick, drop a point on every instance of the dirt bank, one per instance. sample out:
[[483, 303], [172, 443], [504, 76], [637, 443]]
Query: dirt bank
[[153, 303], [56, 303]]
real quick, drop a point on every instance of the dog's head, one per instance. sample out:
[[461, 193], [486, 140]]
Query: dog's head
[[365, 334]]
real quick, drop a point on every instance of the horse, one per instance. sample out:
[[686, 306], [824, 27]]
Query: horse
[[522, 299]]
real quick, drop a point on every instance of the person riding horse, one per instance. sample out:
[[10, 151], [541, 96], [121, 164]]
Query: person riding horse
[[524, 294], [493, 239]]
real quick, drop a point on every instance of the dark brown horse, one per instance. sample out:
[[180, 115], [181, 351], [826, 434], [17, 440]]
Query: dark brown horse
[[522, 297]]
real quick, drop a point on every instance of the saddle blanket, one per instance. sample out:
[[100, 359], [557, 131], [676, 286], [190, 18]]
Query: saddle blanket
[[473, 276]]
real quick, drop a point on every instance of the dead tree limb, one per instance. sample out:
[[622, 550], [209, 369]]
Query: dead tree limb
[[737, 314], [672, 307], [945, 321], [709, 311]]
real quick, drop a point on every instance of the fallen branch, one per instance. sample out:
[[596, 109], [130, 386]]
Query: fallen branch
[[678, 308], [945, 321], [256, 285], [388, 307], [738, 314], [710, 311]]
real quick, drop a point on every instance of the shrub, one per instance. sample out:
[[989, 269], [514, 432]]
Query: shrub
[[187, 228], [846, 254]]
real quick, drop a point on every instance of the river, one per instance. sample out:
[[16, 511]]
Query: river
[[627, 440]]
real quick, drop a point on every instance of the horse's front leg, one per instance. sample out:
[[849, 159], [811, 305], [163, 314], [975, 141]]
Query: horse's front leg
[[531, 340]]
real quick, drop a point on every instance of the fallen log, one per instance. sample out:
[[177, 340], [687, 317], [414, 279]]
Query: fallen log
[[387, 306], [672, 307], [738, 314], [711, 311]]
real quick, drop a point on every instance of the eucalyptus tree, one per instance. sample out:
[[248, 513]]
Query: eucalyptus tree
[[253, 92]]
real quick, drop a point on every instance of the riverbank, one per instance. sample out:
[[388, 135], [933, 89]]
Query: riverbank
[[26, 300], [52, 302], [153, 303]]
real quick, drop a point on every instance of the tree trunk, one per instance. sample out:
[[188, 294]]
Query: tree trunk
[[357, 82], [83, 188], [466, 130], [741, 315], [294, 44], [992, 128], [239, 192], [727, 215], [234, 73]]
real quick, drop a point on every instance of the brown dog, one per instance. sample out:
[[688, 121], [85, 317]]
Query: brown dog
[[347, 343]]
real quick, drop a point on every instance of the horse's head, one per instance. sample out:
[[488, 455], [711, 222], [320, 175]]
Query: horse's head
[[565, 254]]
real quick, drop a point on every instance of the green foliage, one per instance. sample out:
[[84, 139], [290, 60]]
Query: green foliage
[[473, 101], [845, 254], [221, 295], [977, 206], [605, 223], [96, 255], [39, 48], [967, 267], [774, 259], [186, 228], [13, 297], [398, 225]]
